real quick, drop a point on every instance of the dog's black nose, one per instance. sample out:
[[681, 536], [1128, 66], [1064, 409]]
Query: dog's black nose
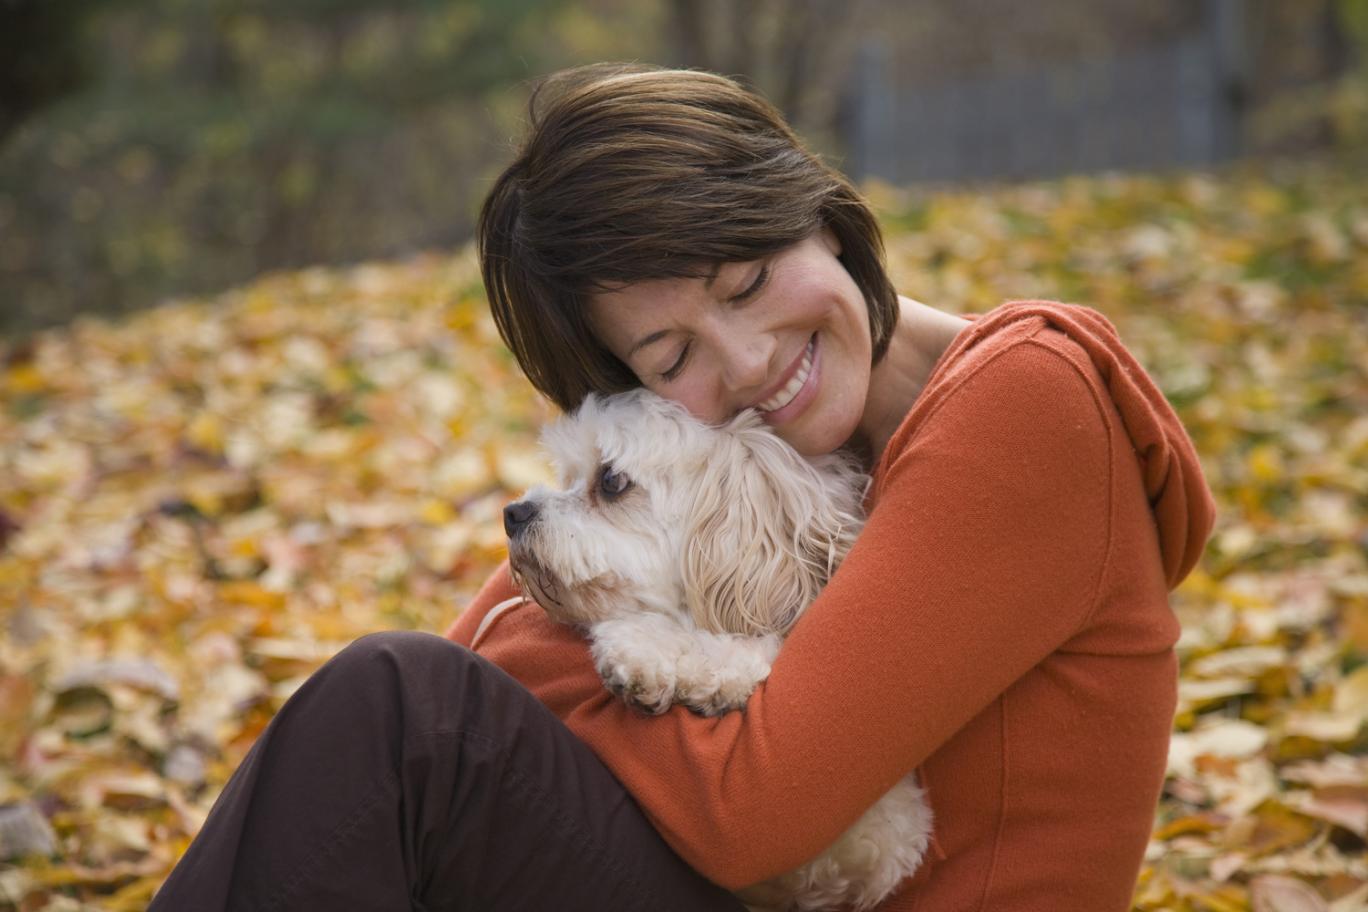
[[518, 516]]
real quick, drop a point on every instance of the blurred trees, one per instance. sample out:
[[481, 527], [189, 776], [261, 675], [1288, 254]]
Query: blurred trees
[[223, 138], [41, 55], [1304, 74], [1350, 103], [229, 137], [794, 51]]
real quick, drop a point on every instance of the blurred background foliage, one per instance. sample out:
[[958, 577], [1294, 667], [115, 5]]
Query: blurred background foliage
[[175, 147], [197, 142]]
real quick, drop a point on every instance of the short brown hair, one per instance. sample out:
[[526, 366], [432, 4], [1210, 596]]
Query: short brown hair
[[631, 172]]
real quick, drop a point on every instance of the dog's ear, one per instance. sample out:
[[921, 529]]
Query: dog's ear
[[765, 532]]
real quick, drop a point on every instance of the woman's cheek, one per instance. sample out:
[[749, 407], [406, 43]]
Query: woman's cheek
[[700, 401]]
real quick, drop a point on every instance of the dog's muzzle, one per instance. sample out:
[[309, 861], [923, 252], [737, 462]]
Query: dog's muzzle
[[518, 516]]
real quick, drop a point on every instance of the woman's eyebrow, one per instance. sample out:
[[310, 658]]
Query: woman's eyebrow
[[649, 340]]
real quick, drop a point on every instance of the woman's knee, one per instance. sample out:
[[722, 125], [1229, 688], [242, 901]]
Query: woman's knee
[[423, 678], [402, 648], [393, 668]]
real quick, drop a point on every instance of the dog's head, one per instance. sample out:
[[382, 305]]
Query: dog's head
[[659, 512]]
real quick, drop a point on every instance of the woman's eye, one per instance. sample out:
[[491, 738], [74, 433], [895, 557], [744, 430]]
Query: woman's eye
[[673, 370], [760, 279], [612, 484]]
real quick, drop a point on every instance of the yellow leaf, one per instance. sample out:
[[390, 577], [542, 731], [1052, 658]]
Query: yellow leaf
[[1265, 463], [1225, 898], [1270, 829], [436, 512], [24, 378], [1193, 823], [246, 592], [244, 547], [206, 432]]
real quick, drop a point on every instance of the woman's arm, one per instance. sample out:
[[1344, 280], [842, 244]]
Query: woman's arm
[[984, 553]]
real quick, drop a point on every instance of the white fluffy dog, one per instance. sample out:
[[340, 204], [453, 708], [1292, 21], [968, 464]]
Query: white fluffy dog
[[686, 552]]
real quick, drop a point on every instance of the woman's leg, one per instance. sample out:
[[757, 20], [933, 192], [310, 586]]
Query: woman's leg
[[408, 772]]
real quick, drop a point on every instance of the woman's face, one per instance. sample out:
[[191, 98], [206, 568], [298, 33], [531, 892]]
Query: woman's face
[[788, 335]]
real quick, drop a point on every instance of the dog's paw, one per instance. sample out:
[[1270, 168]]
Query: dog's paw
[[638, 659], [644, 689], [653, 662], [721, 675], [714, 704]]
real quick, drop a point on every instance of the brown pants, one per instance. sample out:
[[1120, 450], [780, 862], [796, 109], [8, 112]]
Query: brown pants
[[409, 773]]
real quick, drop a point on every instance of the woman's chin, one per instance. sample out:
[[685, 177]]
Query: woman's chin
[[820, 432]]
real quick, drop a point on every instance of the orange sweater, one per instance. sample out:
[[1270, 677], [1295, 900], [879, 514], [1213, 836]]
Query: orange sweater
[[1002, 625]]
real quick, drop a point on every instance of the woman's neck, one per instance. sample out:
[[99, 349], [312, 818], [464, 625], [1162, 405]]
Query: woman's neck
[[920, 337]]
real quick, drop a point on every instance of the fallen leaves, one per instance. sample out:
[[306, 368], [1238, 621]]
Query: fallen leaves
[[202, 503]]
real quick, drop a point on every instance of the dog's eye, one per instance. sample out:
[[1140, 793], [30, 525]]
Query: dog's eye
[[612, 485]]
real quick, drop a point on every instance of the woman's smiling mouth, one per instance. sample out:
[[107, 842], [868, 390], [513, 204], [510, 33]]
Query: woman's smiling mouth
[[780, 405]]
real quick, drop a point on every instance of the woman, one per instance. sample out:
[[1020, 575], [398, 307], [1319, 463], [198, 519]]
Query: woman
[[1001, 626]]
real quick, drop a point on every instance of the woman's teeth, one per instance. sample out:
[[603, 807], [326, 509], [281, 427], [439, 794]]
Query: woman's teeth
[[785, 395]]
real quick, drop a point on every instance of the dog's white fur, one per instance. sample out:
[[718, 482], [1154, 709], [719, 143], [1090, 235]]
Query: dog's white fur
[[687, 580]]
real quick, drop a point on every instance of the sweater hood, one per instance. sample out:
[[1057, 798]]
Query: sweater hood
[[1183, 507]]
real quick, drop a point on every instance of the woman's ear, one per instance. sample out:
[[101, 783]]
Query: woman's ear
[[765, 532]]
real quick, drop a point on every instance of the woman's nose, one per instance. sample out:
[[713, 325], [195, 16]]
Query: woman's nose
[[747, 361]]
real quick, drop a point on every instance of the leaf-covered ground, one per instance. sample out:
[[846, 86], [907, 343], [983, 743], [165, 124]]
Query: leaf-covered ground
[[200, 504]]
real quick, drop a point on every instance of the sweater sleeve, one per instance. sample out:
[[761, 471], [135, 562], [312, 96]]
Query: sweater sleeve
[[984, 553]]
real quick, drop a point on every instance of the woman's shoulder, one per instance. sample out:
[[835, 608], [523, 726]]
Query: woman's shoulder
[[1060, 328], [1040, 346], [1039, 387]]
